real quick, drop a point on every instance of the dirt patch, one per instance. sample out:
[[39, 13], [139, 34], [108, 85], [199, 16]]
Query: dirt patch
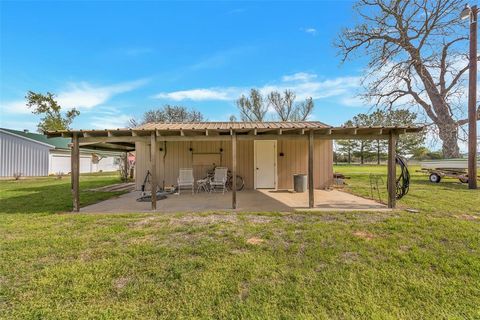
[[243, 291], [143, 222], [349, 257], [468, 217], [120, 283], [364, 235], [141, 240], [204, 220], [238, 251], [85, 255], [255, 241], [258, 219]]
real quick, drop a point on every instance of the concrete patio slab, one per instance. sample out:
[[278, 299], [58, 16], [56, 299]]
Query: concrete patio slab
[[248, 201]]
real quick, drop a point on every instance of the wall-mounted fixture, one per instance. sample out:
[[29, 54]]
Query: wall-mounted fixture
[[221, 149], [191, 149], [281, 154]]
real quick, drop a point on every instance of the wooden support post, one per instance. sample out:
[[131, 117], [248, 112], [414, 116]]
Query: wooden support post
[[234, 170], [75, 173], [311, 196], [125, 164], [153, 161], [392, 169]]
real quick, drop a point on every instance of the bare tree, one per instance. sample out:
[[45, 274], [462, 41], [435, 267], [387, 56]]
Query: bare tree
[[168, 113], [416, 58], [303, 110], [252, 108], [282, 104], [255, 107]]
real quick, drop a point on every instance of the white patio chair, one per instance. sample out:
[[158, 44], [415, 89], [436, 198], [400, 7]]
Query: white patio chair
[[185, 179], [219, 179]]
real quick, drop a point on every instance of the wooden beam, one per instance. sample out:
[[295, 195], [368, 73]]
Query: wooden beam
[[107, 146], [392, 168], [311, 195], [234, 170], [75, 173], [213, 137], [113, 139], [153, 162]]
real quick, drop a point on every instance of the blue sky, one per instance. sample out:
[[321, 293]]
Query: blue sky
[[115, 60]]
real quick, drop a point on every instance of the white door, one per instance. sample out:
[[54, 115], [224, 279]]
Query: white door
[[265, 163]]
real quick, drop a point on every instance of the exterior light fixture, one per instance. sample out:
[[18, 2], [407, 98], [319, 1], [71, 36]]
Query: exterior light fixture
[[465, 14]]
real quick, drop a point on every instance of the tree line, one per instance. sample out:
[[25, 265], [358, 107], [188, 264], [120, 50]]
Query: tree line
[[376, 150]]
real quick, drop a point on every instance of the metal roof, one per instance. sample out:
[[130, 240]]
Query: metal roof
[[57, 143], [232, 125]]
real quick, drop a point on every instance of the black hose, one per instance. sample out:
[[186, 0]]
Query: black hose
[[403, 181]]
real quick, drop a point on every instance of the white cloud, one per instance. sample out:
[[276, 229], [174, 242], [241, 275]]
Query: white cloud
[[200, 94], [82, 95], [299, 76], [110, 121], [353, 101], [86, 96], [304, 86], [14, 107], [19, 125], [310, 30]]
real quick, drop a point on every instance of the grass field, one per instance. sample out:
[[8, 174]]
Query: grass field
[[222, 265], [450, 196]]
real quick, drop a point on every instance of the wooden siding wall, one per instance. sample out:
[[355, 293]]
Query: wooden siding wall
[[178, 155]]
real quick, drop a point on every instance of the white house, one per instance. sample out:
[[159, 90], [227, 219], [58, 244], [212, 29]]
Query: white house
[[33, 154]]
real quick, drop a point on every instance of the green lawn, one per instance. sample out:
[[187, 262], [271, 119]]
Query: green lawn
[[51, 195], [265, 265], [450, 196]]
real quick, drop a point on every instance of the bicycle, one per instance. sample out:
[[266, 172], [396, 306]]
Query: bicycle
[[229, 184]]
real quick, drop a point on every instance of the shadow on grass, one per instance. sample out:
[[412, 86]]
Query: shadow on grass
[[51, 198], [444, 184]]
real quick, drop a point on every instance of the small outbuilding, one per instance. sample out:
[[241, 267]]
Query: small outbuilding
[[31, 154], [265, 154]]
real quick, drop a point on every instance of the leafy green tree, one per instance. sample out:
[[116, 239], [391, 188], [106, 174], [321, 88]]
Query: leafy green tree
[[378, 118], [345, 148], [368, 149], [407, 143], [365, 147], [53, 118]]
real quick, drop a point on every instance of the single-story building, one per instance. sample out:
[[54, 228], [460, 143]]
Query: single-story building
[[32, 154], [264, 154]]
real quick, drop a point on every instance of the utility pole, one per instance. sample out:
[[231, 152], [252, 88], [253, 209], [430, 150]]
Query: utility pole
[[472, 102], [472, 13]]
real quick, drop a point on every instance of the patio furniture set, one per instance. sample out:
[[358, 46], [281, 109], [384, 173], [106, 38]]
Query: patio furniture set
[[214, 181]]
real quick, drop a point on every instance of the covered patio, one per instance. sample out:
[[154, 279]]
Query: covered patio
[[248, 201], [153, 138]]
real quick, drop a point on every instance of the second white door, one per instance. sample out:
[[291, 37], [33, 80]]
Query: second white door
[[265, 163]]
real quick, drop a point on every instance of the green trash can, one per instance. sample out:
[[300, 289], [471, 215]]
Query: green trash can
[[300, 182]]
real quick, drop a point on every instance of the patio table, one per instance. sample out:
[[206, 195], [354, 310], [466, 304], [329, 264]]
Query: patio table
[[203, 184]]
